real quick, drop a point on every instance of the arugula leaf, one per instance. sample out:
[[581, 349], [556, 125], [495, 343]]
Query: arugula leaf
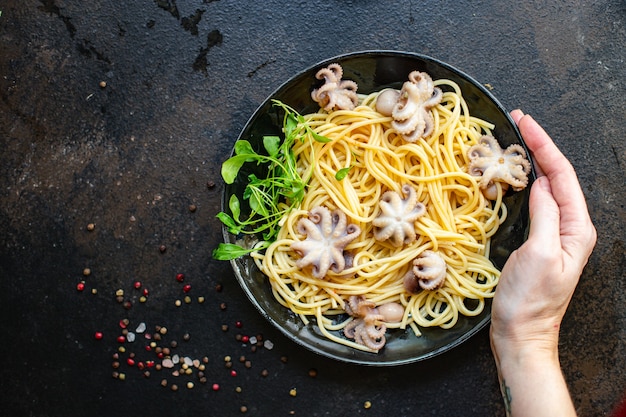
[[231, 167], [228, 251], [271, 145], [342, 173], [281, 189]]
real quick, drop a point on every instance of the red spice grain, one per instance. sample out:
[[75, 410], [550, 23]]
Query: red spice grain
[[80, 286], [98, 335], [180, 277]]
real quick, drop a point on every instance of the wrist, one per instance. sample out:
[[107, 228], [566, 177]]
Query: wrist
[[521, 341]]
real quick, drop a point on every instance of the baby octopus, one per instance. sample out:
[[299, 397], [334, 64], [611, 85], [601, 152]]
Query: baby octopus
[[428, 273], [410, 107], [327, 236], [335, 93], [368, 326], [397, 218], [492, 164]]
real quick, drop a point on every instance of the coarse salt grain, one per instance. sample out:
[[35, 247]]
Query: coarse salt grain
[[130, 337], [141, 328], [268, 344]]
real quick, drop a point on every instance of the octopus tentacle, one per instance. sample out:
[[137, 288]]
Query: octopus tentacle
[[396, 221], [335, 93], [368, 325], [492, 164], [327, 235], [428, 273]]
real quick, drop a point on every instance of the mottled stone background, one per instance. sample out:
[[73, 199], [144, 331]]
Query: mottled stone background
[[182, 77]]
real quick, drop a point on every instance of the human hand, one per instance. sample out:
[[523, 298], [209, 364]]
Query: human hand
[[539, 278], [538, 281]]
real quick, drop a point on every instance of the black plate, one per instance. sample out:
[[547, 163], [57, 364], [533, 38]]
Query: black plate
[[373, 70]]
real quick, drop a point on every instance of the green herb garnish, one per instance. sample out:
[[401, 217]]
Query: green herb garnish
[[342, 173], [271, 197]]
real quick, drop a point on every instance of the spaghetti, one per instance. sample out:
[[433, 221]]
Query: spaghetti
[[458, 223]]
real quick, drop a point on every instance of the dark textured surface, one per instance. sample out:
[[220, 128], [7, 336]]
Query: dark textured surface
[[182, 79]]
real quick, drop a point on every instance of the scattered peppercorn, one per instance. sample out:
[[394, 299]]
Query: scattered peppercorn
[[367, 404], [162, 248], [312, 372], [91, 227], [210, 184], [243, 409], [102, 84], [86, 272], [180, 277], [192, 208]]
